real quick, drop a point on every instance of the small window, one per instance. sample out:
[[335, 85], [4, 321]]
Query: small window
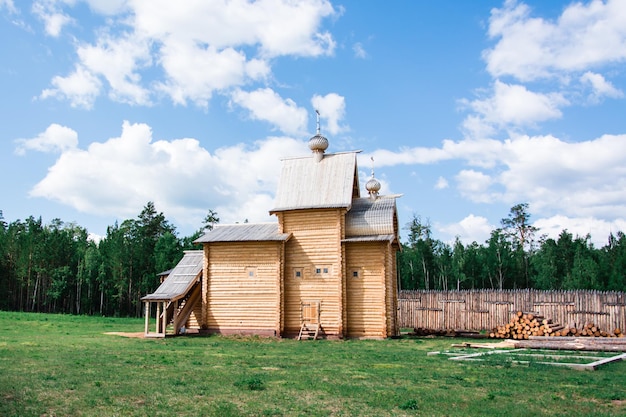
[[298, 273], [355, 273], [251, 272], [322, 271]]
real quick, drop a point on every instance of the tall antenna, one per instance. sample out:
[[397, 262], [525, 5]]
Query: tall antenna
[[372, 158], [318, 121]]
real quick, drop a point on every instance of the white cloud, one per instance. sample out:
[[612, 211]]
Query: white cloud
[[81, 88], [582, 179], [600, 87], [475, 186], [196, 50], [359, 51], [277, 27], [194, 73], [511, 106], [528, 48], [108, 7], [441, 183], [576, 179], [471, 229], [332, 108], [477, 152], [56, 138], [265, 104], [599, 230], [117, 60], [54, 20], [120, 175], [8, 4]]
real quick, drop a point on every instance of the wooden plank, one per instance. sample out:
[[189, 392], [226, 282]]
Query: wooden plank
[[600, 362]]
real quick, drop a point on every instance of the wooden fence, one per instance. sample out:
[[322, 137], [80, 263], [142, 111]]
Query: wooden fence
[[486, 309]]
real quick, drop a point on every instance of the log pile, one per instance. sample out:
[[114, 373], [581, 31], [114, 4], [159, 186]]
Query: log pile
[[524, 325]]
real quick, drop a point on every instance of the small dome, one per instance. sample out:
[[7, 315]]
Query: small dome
[[318, 143], [372, 186]]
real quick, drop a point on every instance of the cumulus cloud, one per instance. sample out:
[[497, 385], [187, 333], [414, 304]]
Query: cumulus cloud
[[511, 106], [471, 229], [54, 19], [117, 60], [600, 87], [576, 179], [598, 229], [265, 104], [187, 53], [551, 61], [584, 35], [477, 152], [55, 138], [475, 186], [332, 108], [81, 88], [118, 176]]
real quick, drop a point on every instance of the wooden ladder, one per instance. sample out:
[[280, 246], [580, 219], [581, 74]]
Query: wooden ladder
[[310, 319]]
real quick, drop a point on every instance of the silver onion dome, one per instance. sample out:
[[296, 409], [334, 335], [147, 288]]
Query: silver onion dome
[[373, 186], [318, 143]]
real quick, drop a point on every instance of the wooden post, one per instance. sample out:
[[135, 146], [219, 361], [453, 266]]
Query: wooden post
[[158, 317], [163, 318], [147, 317]]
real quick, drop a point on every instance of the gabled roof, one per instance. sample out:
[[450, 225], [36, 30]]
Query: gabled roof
[[372, 219], [245, 232], [306, 183], [180, 280]]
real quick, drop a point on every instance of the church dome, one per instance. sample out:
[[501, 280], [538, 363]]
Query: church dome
[[318, 143], [373, 185]]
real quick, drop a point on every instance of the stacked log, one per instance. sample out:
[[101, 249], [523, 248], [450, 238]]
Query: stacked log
[[524, 325]]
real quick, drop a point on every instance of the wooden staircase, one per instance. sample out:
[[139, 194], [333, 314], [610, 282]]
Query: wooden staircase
[[310, 320], [179, 311]]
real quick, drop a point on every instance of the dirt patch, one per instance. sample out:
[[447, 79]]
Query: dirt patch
[[139, 335]]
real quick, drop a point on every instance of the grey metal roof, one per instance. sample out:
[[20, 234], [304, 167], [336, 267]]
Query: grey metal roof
[[306, 183], [372, 217], [180, 280], [373, 238], [245, 232]]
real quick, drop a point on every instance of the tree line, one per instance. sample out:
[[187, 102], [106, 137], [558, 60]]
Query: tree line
[[56, 268], [515, 256]]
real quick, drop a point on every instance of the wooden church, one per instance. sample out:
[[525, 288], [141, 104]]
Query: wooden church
[[326, 268]]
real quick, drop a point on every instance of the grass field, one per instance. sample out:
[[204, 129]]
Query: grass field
[[57, 365]]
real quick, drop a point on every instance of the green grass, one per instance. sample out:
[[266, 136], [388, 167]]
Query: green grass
[[58, 365]]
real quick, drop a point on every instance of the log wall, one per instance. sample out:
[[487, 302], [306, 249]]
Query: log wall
[[486, 309], [242, 288], [315, 243], [366, 302]]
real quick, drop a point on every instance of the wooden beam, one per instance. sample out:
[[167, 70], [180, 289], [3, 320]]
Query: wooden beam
[[147, 313]]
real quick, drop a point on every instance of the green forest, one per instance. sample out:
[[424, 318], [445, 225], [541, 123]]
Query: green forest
[[56, 268]]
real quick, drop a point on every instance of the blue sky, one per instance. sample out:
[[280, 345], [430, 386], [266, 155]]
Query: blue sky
[[467, 108]]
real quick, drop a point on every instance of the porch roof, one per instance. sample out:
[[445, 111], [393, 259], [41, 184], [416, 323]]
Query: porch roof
[[180, 280]]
